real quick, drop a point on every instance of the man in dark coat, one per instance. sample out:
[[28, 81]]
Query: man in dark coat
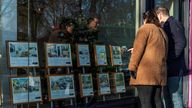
[[175, 59], [64, 34], [89, 34]]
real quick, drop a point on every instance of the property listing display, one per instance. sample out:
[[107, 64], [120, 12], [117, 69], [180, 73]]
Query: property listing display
[[61, 87], [115, 52], [119, 83], [83, 55], [103, 83], [58, 55], [86, 85], [26, 89], [22, 54], [100, 55]]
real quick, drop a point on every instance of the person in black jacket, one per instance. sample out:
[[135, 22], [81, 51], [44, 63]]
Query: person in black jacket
[[65, 33], [89, 34], [175, 58]]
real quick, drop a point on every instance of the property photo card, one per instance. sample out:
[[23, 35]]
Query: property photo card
[[103, 83], [58, 55], [61, 86], [100, 55], [115, 52], [22, 54], [83, 55], [119, 82], [26, 89], [86, 85]]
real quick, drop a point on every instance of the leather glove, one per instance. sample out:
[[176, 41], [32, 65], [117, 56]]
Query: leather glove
[[133, 74]]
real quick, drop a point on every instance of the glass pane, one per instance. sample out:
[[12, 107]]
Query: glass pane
[[118, 22], [37, 21], [117, 26], [166, 3], [172, 5]]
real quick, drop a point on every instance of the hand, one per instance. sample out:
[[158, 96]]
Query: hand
[[133, 74], [130, 49]]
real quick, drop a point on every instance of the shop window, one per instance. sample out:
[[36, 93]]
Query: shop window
[[172, 5], [40, 21]]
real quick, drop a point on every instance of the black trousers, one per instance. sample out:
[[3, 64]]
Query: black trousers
[[167, 97], [150, 96]]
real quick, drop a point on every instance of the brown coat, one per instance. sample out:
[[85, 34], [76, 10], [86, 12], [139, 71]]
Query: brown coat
[[148, 58]]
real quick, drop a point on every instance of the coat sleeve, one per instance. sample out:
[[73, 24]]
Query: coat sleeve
[[139, 49], [179, 39]]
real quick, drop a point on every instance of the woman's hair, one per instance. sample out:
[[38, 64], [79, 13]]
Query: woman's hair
[[151, 17]]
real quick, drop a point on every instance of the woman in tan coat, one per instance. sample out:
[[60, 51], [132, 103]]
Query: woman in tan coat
[[148, 61]]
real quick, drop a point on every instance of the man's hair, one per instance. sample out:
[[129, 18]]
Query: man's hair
[[163, 10], [90, 20], [66, 22]]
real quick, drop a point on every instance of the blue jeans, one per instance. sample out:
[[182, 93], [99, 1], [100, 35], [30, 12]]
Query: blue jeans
[[173, 92]]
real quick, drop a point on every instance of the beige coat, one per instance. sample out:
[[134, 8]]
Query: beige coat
[[148, 58]]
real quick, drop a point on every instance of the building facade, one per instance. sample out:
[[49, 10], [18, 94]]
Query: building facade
[[26, 21]]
